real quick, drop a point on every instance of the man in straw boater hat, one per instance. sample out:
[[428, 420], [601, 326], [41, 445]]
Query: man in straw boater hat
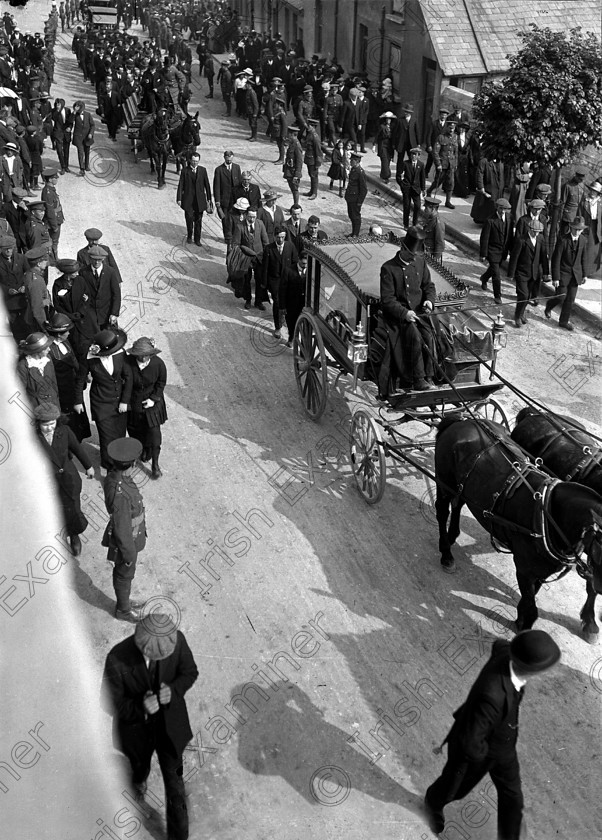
[[60, 445], [483, 738], [145, 679], [125, 534], [408, 295]]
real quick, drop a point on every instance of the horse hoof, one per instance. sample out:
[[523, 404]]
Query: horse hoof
[[592, 638]]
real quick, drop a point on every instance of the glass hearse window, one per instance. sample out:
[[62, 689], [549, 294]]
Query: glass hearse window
[[336, 300]]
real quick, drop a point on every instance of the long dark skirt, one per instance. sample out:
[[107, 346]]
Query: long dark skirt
[[70, 488]]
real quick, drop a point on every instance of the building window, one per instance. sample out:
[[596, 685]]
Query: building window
[[319, 24], [398, 7], [395, 66], [363, 48]]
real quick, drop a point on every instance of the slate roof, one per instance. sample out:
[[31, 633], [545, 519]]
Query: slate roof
[[473, 37]]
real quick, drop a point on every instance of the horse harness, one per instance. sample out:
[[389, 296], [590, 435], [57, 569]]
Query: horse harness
[[543, 522], [585, 465]]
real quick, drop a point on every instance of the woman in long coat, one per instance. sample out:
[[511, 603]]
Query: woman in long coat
[[36, 370], [60, 445], [490, 187], [147, 411], [66, 368]]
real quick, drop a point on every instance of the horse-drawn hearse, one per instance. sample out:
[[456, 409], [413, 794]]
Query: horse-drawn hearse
[[535, 491]]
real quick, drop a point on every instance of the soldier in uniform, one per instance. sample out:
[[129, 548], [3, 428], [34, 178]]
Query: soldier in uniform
[[434, 228], [313, 157], [36, 290], [305, 110], [333, 110], [292, 168], [36, 229], [54, 211], [355, 193], [279, 128], [125, 534], [445, 156], [251, 108]]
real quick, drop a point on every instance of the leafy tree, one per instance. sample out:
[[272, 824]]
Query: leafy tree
[[549, 105]]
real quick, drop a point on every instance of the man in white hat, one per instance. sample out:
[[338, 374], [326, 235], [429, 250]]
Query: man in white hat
[[145, 679]]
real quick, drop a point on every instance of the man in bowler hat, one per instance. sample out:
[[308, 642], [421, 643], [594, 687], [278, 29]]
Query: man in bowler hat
[[145, 679], [484, 735]]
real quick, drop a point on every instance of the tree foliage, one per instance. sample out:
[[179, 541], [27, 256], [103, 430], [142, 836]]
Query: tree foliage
[[549, 106]]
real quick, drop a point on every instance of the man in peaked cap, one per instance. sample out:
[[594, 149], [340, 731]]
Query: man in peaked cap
[[145, 679], [94, 235], [483, 737], [355, 194], [125, 534], [292, 168]]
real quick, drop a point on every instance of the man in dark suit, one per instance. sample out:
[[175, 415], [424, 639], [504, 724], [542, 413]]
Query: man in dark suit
[[412, 184], [246, 189], [16, 213], [13, 268], [349, 117], [494, 245], [355, 194], [226, 178], [312, 232], [293, 227], [278, 256], [110, 392], [405, 137], [406, 292], [99, 282], [145, 679], [483, 737], [93, 236], [569, 269], [292, 294], [434, 129], [194, 197], [83, 135], [528, 262], [269, 213], [363, 110], [252, 238], [61, 121]]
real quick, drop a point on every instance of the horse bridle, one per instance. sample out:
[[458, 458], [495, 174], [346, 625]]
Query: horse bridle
[[576, 556]]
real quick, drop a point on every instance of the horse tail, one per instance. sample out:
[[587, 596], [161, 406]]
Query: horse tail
[[448, 420]]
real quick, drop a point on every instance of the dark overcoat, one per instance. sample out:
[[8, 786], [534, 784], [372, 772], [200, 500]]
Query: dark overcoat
[[64, 446]]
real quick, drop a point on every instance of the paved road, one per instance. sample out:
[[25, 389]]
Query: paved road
[[281, 575]]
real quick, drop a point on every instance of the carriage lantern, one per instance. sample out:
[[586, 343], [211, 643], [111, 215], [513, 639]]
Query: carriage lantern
[[500, 336], [357, 351]]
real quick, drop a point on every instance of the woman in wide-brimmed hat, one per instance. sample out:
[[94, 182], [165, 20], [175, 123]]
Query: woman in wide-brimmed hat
[[36, 370], [110, 389], [60, 444], [147, 411], [383, 145], [66, 368], [591, 211]]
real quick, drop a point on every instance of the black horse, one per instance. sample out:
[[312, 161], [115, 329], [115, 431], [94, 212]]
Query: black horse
[[563, 445], [548, 525], [155, 137], [185, 138]]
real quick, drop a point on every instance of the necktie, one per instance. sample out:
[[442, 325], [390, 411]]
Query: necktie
[[251, 229]]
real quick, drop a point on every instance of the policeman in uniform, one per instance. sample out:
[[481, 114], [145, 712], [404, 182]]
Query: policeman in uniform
[[54, 210], [292, 168], [445, 155], [313, 157], [434, 228], [125, 534]]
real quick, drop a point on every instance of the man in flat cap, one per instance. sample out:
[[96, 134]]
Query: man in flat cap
[[101, 286], [145, 679], [93, 237], [494, 246], [569, 271], [485, 732]]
